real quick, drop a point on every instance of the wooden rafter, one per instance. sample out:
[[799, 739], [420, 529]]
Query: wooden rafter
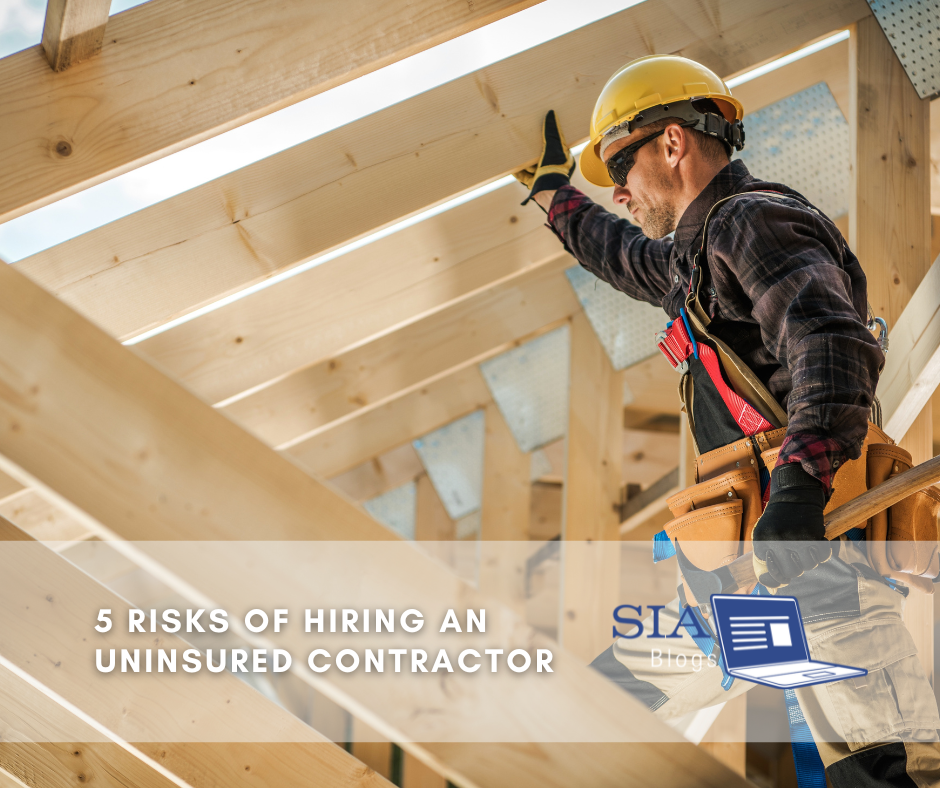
[[303, 403], [69, 391], [138, 272], [377, 430], [171, 74], [344, 303], [241, 737], [74, 31]]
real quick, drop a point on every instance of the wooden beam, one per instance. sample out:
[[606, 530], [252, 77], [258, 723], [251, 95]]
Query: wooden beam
[[935, 157], [172, 74], [41, 520], [380, 474], [504, 520], [889, 220], [139, 272], [46, 746], [378, 430], [155, 464], [506, 482], [241, 737], [300, 405], [912, 369], [639, 508], [348, 301], [590, 529], [74, 31]]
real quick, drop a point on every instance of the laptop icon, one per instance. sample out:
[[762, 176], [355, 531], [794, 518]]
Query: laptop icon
[[762, 640]]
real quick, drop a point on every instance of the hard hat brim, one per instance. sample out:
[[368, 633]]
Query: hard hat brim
[[592, 168]]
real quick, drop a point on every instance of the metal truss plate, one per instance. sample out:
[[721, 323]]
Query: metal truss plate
[[396, 509], [453, 458], [803, 142], [530, 387], [624, 326], [913, 30]]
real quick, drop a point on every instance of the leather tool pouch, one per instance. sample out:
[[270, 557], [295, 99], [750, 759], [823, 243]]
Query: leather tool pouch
[[903, 540], [714, 517]]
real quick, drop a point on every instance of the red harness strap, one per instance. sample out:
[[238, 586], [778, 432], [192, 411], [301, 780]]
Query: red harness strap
[[677, 346]]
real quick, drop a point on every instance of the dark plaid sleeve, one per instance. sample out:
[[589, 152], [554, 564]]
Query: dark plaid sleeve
[[797, 275], [610, 247]]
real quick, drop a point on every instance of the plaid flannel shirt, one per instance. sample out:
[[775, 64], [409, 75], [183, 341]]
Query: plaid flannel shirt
[[782, 289]]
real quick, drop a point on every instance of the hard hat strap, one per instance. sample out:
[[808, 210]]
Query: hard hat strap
[[732, 134]]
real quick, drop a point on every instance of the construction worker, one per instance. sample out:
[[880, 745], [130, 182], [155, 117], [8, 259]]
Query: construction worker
[[766, 280]]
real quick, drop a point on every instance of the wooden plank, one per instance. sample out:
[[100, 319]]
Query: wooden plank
[[590, 529], [41, 520], [73, 31], [647, 455], [380, 474], [154, 464], [139, 272], [935, 158], [46, 746], [379, 430], [294, 408], [348, 301], [504, 520], [241, 737], [912, 368], [172, 73], [889, 220], [506, 482], [637, 509]]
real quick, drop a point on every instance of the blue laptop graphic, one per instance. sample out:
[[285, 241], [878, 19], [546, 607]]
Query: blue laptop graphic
[[763, 641]]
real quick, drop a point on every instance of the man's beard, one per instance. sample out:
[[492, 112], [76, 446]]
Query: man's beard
[[660, 220]]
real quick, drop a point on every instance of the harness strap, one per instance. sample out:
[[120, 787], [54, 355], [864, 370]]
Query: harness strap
[[678, 344], [810, 772]]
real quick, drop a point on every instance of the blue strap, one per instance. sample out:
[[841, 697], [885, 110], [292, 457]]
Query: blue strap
[[688, 328], [663, 547], [810, 772]]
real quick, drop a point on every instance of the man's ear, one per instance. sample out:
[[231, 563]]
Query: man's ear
[[675, 144]]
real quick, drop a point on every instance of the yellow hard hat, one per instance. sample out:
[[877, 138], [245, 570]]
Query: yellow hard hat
[[656, 81]]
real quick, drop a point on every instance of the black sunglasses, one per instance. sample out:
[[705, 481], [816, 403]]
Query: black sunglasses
[[620, 164]]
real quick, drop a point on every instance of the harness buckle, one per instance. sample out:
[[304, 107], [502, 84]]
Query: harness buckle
[[679, 366]]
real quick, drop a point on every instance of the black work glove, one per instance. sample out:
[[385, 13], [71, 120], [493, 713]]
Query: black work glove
[[555, 166], [790, 537]]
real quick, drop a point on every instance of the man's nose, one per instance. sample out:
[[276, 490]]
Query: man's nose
[[621, 195]]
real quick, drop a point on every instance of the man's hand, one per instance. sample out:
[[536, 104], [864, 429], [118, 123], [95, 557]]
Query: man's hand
[[555, 165], [790, 537]]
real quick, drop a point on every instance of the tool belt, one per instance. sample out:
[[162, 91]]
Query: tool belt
[[737, 429]]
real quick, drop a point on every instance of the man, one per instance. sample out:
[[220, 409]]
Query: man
[[779, 285]]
